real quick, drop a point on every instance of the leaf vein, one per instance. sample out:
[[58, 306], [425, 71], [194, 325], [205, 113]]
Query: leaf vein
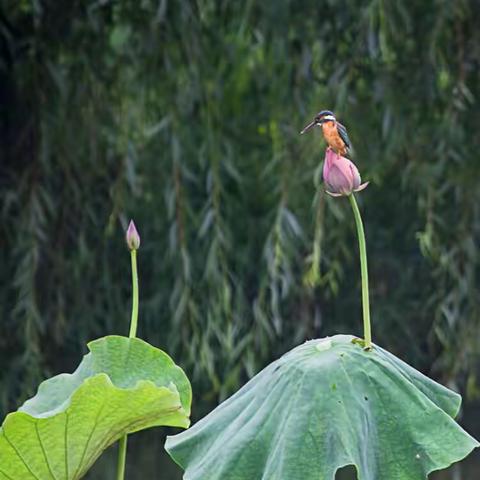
[[44, 452], [66, 445], [19, 455], [100, 410]]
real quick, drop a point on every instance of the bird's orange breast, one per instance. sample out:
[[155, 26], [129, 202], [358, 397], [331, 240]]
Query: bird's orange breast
[[333, 138]]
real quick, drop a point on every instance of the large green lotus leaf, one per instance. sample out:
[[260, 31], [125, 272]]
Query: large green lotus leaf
[[123, 385], [327, 404]]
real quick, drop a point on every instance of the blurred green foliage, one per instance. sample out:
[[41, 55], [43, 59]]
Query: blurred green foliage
[[185, 116]]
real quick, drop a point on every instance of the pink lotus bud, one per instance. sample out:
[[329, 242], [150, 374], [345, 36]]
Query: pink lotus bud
[[340, 175], [132, 237]]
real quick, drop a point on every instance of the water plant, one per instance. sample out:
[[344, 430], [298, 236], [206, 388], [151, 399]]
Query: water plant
[[329, 403], [121, 386]]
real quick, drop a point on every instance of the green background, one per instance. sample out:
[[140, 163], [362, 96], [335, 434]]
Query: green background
[[184, 115]]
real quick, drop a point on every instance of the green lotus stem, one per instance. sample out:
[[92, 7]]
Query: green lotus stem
[[364, 269], [122, 456], [134, 319], [122, 444]]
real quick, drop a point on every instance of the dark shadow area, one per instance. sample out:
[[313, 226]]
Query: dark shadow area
[[346, 473], [146, 458]]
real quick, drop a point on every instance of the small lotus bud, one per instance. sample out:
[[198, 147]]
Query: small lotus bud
[[340, 175], [132, 237]]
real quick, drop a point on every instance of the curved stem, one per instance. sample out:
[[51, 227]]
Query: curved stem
[[122, 444], [364, 269]]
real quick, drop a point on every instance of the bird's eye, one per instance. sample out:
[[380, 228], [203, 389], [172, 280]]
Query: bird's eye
[[317, 119]]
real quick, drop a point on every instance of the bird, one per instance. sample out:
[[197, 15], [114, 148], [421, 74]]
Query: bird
[[334, 132]]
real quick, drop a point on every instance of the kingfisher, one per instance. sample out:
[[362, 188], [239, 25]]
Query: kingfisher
[[334, 132]]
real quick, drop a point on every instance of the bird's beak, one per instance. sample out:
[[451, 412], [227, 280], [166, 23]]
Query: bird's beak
[[308, 127]]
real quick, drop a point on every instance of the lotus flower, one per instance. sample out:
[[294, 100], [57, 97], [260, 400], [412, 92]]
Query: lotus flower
[[340, 175], [132, 237]]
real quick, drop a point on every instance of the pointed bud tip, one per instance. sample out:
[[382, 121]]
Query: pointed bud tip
[[132, 236]]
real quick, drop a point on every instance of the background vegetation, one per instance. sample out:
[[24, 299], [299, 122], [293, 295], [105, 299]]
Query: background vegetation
[[185, 116]]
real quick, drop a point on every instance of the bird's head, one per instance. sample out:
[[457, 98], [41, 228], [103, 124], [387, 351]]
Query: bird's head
[[320, 118]]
